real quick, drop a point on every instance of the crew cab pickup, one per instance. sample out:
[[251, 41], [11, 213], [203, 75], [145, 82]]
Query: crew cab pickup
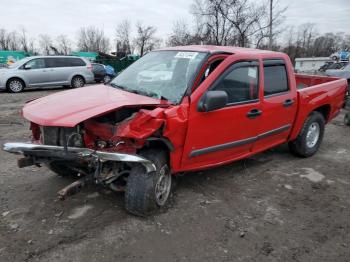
[[175, 110]]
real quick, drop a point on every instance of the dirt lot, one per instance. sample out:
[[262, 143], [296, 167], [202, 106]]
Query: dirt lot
[[273, 207]]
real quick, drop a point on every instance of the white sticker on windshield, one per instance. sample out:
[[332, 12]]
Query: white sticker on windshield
[[252, 72], [187, 55]]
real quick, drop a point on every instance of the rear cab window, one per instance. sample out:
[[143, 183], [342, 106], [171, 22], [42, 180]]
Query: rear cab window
[[275, 77]]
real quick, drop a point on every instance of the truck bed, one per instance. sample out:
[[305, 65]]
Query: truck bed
[[321, 93], [303, 81]]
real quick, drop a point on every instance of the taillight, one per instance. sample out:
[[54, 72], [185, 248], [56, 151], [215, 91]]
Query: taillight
[[89, 67]]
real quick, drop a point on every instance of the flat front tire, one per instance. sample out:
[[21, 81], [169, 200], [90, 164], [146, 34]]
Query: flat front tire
[[310, 136], [146, 193]]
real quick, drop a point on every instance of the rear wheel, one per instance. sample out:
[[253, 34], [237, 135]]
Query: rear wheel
[[310, 136], [77, 81], [15, 85], [147, 192], [107, 79]]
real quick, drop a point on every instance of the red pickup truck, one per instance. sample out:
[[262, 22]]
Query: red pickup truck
[[176, 110]]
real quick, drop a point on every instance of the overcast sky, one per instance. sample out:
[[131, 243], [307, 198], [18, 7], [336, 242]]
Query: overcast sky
[[56, 17]]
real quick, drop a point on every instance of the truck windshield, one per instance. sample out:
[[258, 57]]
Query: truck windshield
[[161, 74]]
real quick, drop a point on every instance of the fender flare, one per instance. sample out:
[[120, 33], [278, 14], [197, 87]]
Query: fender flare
[[162, 140]]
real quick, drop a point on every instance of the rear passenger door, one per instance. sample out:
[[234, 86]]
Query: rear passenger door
[[59, 70], [278, 105]]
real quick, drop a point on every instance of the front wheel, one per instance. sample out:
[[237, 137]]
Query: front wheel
[[347, 119], [310, 136], [77, 81], [15, 85], [61, 168], [147, 192]]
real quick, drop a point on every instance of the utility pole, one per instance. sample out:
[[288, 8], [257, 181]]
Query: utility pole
[[270, 26]]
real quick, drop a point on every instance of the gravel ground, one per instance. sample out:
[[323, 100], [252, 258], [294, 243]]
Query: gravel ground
[[271, 207]]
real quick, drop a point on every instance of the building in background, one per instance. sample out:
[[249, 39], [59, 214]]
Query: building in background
[[310, 64]]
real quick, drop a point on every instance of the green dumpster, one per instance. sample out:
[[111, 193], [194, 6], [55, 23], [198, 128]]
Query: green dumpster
[[10, 57]]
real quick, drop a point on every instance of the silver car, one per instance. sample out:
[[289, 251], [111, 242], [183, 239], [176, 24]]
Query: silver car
[[42, 71]]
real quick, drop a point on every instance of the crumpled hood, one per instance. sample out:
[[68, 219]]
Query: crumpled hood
[[69, 108]]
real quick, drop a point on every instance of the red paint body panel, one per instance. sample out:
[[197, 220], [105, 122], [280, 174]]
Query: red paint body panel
[[71, 107], [183, 125]]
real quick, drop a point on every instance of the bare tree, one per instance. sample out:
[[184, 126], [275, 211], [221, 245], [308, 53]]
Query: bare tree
[[23, 39], [245, 16], [27, 44], [92, 39], [122, 33], [45, 44], [64, 45], [145, 40], [13, 41], [180, 35], [212, 22], [9, 40]]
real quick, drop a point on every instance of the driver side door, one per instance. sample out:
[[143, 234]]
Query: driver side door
[[228, 133]]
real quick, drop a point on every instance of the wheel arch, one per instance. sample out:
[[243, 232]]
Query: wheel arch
[[16, 77], [75, 75], [325, 110]]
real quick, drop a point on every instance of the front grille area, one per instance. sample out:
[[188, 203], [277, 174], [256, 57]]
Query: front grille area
[[61, 136]]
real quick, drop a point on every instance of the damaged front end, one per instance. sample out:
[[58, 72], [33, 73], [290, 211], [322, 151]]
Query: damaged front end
[[103, 149]]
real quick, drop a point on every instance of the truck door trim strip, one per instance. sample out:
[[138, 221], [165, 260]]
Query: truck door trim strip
[[274, 131], [242, 142]]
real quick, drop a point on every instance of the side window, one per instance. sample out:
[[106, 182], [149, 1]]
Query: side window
[[36, 63], [210, 69], [64, 62], [53, 62], [240, 82], [276, 78], [76, 62]]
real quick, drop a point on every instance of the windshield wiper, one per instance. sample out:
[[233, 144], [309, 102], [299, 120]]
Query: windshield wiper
[[117, 86], [152, 94]]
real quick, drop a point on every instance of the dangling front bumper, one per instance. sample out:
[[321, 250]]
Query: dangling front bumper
[[42, 153]]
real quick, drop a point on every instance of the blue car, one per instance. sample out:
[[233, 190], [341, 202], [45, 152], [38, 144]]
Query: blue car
[[103, 73], [341, 55]]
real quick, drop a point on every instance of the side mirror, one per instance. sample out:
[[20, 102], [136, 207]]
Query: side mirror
[[212, 100], [27, 67]]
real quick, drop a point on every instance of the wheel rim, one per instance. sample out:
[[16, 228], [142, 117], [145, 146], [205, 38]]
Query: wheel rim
[[106, 79], [313, 135], [78, 82], [163, 186], [16, 86]]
